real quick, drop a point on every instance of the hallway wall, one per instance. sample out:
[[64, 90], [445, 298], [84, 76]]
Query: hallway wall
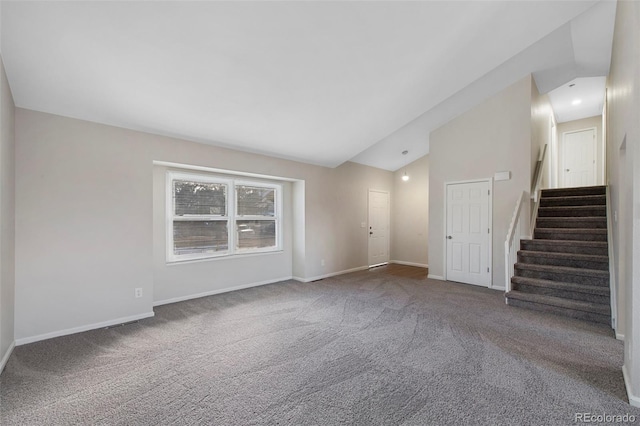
[[623, 174]]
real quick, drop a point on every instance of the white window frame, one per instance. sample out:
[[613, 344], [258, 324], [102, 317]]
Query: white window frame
[[231, 216]]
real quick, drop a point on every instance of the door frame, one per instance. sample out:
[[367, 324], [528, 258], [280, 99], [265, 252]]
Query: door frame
[[444, 228], [552, 161], [369, 191], [562, 168]]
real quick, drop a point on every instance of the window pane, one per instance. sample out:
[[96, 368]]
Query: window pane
[[253, 200], [202, 237], [256, 233], [199, 198]]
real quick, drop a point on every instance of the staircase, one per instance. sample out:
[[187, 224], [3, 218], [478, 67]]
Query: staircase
[[565, 268]]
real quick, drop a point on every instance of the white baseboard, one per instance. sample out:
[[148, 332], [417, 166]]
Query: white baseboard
[[219, 291], [497, 288], [402, 262], [26, 340], [6, 356], [436, 277], [332, 274], [633, 399], [620, 336]]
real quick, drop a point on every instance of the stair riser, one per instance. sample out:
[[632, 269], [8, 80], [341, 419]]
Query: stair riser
[[560, 201], [567, 294], [571, 223], [572, 212], [572, 263], [541, 245], [564, 277], [574, 192], [588, 316], [556, 235]]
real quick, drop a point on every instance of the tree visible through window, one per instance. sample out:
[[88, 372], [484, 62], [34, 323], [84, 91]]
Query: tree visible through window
[[255, 217], [200, 224], [212, 216]]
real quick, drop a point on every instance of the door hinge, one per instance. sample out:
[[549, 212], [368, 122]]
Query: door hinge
[[488, 192], [487, 269], [488, 230]]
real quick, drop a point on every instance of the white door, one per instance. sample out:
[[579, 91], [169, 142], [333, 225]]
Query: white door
[[579, 158], [378, 227], [468, 236]]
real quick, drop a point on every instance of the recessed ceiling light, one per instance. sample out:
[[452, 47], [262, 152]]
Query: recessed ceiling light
[[572, 84], [405, 152], [576, 102]]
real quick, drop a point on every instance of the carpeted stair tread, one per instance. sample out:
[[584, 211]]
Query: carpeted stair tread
[[577, 200], [563, 273], [556, 310], [578, 288], [568, 192], [574, 260], [557, 287], [573, 256], [574, 230], [561, 302], [563, 270], [566, 246], [568, 211], [572, 222], [581, 234], [597, 244]]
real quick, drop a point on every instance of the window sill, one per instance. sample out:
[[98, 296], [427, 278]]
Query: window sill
[[224, 257]]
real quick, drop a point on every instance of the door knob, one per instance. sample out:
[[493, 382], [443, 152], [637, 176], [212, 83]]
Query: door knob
[[567, 170], [370, 233], [449, 237]]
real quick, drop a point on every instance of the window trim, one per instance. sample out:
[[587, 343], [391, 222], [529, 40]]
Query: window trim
[[230, 218]]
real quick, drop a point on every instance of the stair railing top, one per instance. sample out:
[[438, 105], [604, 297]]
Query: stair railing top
[[513, 232], [537, 188], [537, 176]]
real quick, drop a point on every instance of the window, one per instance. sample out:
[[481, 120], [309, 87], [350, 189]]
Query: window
[[210, 216]]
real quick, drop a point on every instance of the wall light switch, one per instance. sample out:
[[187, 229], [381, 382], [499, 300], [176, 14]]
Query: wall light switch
[[502, 176], [363, 224]]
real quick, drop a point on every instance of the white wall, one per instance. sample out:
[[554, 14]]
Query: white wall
[[541, 128], [337, 202], [7, 217], [623, 173], [410, 214], [83, 224], [585, 123], [94, 184], [494, 136]]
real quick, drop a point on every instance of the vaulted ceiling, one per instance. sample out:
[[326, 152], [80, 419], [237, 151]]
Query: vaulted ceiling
[[319, 82]]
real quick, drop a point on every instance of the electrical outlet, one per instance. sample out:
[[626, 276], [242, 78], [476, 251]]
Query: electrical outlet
[[138, 292], [322, 262]]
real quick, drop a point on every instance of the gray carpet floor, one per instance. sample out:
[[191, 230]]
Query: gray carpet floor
[[369, 348]]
